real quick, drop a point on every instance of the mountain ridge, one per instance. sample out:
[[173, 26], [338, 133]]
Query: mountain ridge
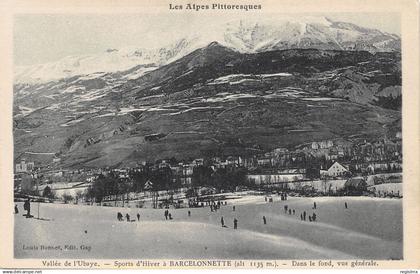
[[242, 36]]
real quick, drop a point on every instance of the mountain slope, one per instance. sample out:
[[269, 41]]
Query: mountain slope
[[213, 101]]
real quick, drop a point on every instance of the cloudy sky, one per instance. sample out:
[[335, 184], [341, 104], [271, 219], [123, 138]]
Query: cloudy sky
[[40, 38]]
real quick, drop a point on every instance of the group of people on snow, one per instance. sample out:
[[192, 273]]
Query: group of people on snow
[[127, 217]]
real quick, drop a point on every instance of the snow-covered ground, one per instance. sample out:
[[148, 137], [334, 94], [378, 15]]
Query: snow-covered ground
[[369, 228], [321, 99], [234, 79], [395, 188]]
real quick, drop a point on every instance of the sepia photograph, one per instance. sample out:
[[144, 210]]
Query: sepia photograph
[[155, 136], [177, 134]]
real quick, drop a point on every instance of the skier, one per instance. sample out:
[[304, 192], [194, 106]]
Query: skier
[[16, 209], [189, 213], [314, 205], [235, 224], [233, 208], [304, 215], [313, 217], [138, 217], [222, 221], [264, 220], [345, 205], [127, 217]]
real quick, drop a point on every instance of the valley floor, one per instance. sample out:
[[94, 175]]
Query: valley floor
[[370, 228]]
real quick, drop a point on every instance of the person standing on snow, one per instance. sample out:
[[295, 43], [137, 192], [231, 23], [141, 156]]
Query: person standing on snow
[[27, 207]]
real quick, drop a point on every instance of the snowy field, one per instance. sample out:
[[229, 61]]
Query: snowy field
[[371, 228], [388, 188]]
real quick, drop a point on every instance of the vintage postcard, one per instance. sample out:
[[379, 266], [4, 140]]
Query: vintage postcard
[[210, 134]]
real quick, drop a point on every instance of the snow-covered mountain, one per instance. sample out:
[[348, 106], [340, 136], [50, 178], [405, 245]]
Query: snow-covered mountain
[[307, 32], [111, 60], [248, 36]]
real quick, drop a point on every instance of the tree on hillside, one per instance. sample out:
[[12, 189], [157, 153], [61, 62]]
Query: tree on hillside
[[190, 193], [325, 187], [79, 196], [27, 184], [202, 176], [67, 198], [122, 187], [103, 186], [138, 179], [162, 178], [90, 194], [312, 173], [48, 193], [229, 179]]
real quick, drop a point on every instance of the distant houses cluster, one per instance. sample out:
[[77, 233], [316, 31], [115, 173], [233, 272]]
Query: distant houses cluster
[[24, 167], [326, 159]]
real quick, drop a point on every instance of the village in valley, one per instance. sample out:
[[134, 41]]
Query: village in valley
[[323, 168]]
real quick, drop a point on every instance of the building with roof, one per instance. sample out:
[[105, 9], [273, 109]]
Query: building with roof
[[336, 170]]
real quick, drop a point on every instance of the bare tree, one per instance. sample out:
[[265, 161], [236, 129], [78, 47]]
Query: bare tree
[[79, 196], [67, 198]]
